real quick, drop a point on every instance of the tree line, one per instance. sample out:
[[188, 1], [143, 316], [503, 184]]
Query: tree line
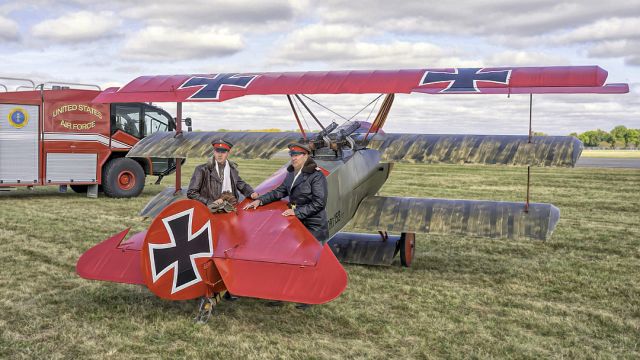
[[619, 136]]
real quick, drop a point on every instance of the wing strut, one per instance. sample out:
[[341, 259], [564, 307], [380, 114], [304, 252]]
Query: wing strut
[[526, 204], [178, 162], [378, 123], [309, 110], [304, 135]]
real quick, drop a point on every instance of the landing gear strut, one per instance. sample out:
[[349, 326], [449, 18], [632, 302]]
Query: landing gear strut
[[206, 307]]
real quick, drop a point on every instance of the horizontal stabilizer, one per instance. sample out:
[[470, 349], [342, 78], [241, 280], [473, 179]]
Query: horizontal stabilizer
[[560, 151], [114, 260], [482, 218], [248, 145]]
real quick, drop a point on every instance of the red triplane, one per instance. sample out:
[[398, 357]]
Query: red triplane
[[187, 252], [55, 135]]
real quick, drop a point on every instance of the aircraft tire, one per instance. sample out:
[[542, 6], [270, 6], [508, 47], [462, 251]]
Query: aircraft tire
[[122, 178], [407, 248]]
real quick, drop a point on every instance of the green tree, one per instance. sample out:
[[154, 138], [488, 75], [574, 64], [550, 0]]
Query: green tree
[[620, 134], [594, 137], [634, 137]]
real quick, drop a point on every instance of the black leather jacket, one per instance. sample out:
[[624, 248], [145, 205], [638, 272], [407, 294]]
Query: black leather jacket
[[206, 185], [309, 194]]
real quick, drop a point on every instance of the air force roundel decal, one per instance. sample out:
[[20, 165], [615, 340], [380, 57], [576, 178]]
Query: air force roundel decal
[[177, 245]]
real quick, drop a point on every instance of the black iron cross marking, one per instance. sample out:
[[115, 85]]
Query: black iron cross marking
[[464, 79], [180, 253], [210, 87]]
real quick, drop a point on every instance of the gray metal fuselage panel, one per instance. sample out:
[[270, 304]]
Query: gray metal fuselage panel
[[349, 182]]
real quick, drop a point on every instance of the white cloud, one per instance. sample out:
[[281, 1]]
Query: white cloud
[[351, 47], [524, 58], [8, 29], [78, 26], [207, 12], [467, 17], [156, 43], [608, 29], [627, 49]]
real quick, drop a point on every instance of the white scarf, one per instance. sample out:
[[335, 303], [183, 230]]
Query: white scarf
[[226, 177]]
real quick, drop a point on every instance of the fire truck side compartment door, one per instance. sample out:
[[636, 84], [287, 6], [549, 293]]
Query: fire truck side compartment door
[[67, 168], [19, 160]]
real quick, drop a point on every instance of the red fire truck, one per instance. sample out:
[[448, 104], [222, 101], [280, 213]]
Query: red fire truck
[[57, 136]]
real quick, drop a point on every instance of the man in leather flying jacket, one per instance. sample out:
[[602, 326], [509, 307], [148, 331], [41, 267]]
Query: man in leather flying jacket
[[306, 187], [218, 175]]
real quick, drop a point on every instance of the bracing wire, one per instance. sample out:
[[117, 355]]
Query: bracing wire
[[354, 115], [373, 108], [366, 106], [302, 114], [324, 107]]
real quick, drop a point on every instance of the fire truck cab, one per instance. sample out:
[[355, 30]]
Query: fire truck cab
[[60, 137]]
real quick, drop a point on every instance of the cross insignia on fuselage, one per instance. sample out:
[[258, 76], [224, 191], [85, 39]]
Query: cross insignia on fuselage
[[181, 252], [210, 86], [464, 79]]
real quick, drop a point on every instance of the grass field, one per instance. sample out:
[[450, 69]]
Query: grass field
[[575, 296], [615, 154]]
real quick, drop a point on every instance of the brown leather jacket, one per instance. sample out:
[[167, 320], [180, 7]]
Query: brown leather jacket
[[206, 185]]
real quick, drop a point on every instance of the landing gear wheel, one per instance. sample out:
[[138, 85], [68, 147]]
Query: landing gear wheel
[[79, 188], [407, 248], [206, 307], [123, 178]]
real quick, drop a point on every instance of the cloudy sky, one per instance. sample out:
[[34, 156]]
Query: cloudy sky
[[112, 42]]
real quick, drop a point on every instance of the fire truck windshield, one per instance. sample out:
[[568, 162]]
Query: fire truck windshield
[[140, 120]]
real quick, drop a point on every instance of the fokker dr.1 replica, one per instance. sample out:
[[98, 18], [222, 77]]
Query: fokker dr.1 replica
[[188, 252]]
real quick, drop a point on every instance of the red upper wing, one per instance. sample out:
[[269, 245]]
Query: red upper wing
[[177, 88]]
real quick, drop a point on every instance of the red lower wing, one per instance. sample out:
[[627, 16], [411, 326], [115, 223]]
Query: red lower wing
[[287, 282]]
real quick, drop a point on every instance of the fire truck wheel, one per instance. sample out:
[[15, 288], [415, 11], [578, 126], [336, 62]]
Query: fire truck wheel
[[80, 189], [122, 178], [407, 248]]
